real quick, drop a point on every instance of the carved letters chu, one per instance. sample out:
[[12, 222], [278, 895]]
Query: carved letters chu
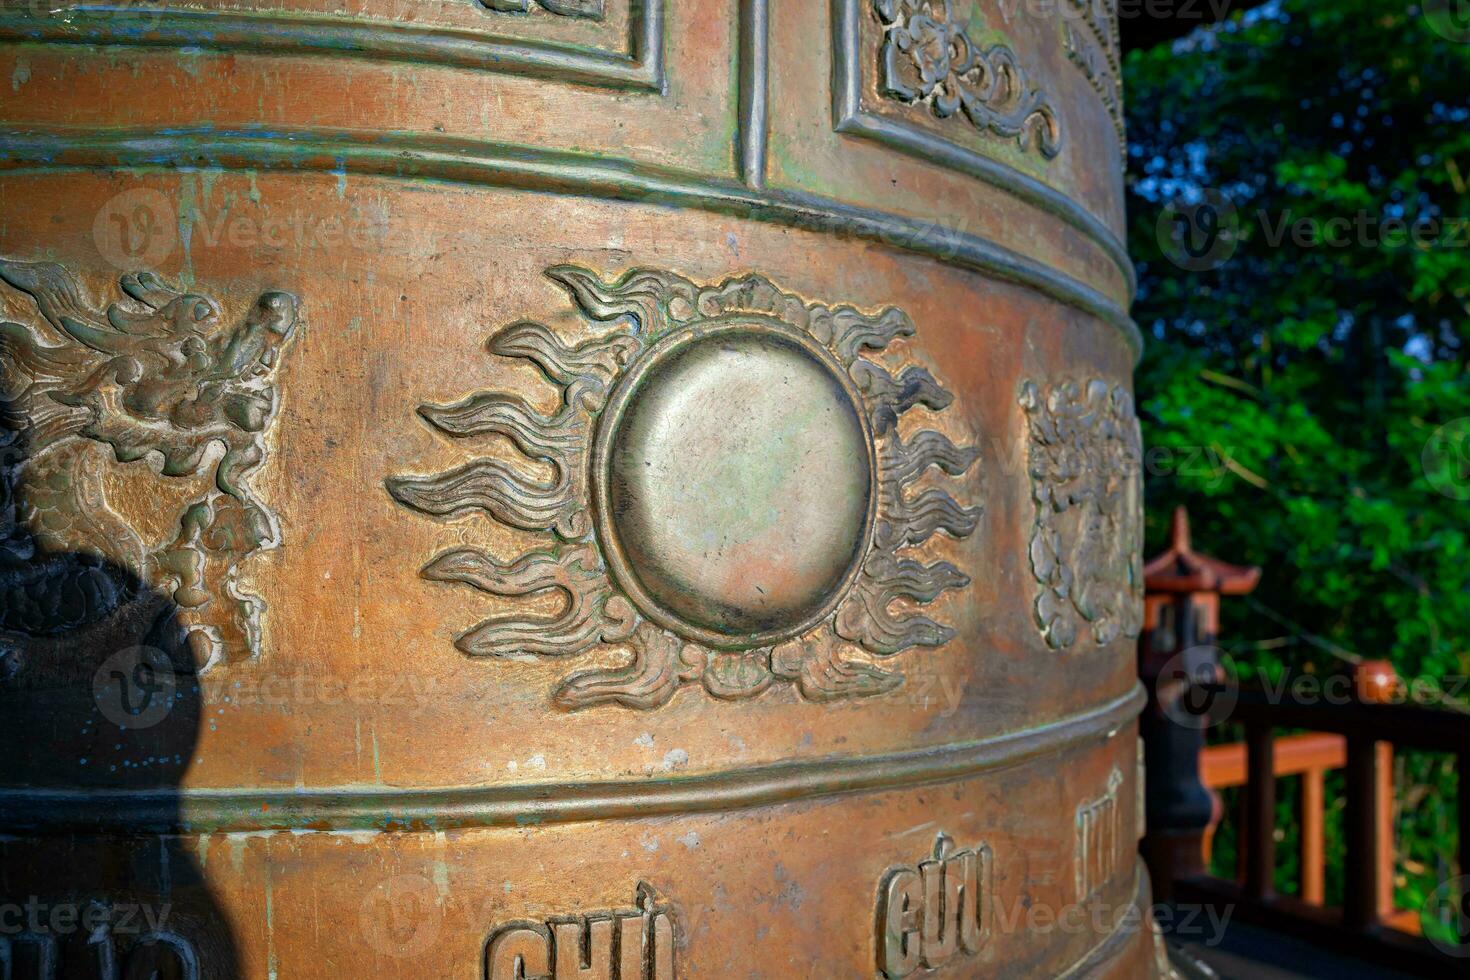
[[628, 944]]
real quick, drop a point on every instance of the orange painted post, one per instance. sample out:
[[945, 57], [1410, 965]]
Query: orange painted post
[[1376, 682], [1384, 817], [1310, 755], [1313, 887]]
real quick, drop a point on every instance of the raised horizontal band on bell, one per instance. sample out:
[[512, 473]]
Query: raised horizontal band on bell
[[459, 160], [1112, 945], [641, 69], [355, 808]]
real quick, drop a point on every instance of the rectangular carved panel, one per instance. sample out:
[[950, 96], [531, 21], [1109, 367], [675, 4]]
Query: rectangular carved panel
[[1004, 112], [615, 43], [917, 76]]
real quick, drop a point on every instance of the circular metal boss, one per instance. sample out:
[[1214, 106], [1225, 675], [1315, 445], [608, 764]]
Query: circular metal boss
[[734, 483]]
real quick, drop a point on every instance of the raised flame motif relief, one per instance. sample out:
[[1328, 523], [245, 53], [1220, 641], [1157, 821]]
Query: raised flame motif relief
[[728, 493], [151, 412], [1086, 547]]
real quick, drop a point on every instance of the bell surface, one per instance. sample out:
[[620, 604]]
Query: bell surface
[[568, 488]]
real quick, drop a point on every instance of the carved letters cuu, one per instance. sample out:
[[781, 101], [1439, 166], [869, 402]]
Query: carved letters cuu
[[932, 913]]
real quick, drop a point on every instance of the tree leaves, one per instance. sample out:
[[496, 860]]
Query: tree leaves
[[1316, 367]]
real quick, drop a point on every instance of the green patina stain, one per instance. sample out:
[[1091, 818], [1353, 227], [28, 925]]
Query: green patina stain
[[745, 484], [795, 169], [187, 213], [270, 927]]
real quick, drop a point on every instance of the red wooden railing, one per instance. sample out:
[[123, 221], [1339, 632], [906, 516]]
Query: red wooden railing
[[1310, 756], [1358, 735]]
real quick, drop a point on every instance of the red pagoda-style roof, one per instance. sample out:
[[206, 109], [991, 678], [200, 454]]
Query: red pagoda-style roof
[[1180, 569]]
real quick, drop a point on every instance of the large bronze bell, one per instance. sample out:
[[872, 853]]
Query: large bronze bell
[[567, 488]]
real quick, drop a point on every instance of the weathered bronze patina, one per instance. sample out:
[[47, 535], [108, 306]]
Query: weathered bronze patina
[[554, 488]]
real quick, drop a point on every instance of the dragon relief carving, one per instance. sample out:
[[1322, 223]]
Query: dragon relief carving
[[872, 617], [1087, 543], [927, 58], [156, 387]]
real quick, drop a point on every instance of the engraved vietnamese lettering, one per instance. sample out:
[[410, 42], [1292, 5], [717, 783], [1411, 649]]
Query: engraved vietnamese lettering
[[930, 913], [1099, 839], [626, 944]]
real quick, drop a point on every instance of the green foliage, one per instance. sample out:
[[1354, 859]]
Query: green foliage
[[1303, 377]]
